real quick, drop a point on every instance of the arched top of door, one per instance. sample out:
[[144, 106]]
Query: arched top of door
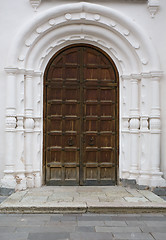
[[93, 52], [118, 35]]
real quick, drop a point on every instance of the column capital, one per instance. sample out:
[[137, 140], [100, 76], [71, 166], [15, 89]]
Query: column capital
[[11, 70], [152, 74], [146, 75], [38, 74], [29, 72], [135, 76], [126, 77], [156, 74]]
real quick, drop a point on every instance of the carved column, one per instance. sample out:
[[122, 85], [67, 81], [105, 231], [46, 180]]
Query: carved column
[[29, 128], [9, 177], [156, 174], [134, 126], [37, 166], [125, 137], [20, 161], [144, 131]]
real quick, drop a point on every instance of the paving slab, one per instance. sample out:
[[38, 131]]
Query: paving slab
[[15, 236], [159, 236], [48, 236], [83, 199], [91, 236], [131, 236], [136, 199], [90, 223], [117, 229], [115, 223]]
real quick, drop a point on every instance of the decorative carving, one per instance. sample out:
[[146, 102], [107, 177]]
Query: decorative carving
[[144, 123], [68, 16], [29, 124], [97, 17], [134, 124], [22, 57], [52, 22], [126, 122], [144, 61], [82, 15], [39, 30], [155, 124], [37, 123], [19, 123], [113, 24], [121, 29], [126, 32], [153, 6], [136, 45], [35, 3], [10, 122]]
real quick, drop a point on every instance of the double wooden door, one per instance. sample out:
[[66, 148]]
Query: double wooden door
[[81, 118]]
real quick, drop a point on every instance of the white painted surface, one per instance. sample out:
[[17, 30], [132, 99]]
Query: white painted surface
[[133, 38]]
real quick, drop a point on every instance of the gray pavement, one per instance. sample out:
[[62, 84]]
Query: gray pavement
[[83, 226], [79, 199]]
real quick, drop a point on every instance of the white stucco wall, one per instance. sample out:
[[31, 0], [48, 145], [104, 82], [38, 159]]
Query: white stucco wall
[[15, 14]]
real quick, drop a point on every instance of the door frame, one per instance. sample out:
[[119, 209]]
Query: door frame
[[44, 106]]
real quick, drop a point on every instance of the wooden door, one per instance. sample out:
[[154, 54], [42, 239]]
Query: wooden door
[[81, 118]]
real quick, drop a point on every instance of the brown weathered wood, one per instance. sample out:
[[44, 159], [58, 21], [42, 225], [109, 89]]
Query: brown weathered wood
[[81, 118]]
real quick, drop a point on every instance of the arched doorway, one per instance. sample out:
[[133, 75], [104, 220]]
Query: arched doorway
[[139, 71], [81, 118]]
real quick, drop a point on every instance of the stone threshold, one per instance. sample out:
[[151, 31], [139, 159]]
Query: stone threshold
[[85, 208], [76, 199]]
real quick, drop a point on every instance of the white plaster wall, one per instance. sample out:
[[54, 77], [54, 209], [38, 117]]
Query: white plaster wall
[[14, 14], [2, 114]]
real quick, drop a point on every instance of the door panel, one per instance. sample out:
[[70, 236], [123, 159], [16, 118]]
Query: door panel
[[81, 118]]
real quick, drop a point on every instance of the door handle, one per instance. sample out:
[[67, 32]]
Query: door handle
[[91, 141], [70, 141]]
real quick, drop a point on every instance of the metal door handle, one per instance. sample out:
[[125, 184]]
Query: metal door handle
[[91, 141], [70, 141]]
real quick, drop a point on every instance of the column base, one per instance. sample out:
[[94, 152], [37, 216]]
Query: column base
[[133, 174], [21, 182], [144, 178], [125, 174], [156, 180], [8, 181], [30, 180], [37, 179]]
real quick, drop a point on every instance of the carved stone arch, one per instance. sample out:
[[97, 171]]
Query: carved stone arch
[[137, 62], [83, 13]]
